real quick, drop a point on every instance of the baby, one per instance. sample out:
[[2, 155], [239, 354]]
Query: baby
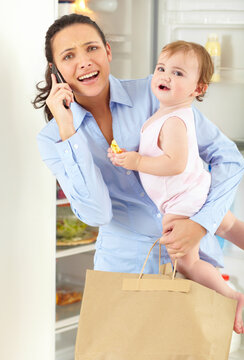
[[168, 161]]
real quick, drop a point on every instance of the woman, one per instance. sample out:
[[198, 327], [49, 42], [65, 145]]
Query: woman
[[74, 146]]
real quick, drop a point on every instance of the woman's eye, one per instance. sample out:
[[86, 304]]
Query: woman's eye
[[178, 73], [67, 57], [160, 68], [91, 48]]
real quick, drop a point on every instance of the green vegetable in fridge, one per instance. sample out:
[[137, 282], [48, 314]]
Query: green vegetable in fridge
[[70, 227]]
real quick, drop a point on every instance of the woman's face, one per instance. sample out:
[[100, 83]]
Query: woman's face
[[83, 60]]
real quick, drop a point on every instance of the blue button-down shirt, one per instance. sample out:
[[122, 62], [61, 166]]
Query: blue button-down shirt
[[113, 198]]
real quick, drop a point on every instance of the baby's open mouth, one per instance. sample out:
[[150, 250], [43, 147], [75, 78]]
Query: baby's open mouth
[[162, 87], [90, 76]]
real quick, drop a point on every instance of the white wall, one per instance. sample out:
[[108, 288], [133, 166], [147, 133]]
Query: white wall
[[27, 230]]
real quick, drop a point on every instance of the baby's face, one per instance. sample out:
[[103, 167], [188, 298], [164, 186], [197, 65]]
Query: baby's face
[[175, 79]]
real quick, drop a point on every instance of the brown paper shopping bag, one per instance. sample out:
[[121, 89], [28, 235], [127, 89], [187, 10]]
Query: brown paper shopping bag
[[152, 317]]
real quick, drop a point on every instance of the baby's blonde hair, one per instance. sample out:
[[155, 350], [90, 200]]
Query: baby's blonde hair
[[206, 67]]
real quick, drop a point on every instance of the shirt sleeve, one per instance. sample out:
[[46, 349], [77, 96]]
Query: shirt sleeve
[[80, 179], [227, 168]]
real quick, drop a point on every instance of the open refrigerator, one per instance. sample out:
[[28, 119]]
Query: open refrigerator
[[136, 31]]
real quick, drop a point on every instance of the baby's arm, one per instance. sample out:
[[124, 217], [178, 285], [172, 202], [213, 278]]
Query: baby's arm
[[173, 141]]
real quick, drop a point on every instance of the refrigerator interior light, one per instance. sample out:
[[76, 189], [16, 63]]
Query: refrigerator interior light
[[82, 7]]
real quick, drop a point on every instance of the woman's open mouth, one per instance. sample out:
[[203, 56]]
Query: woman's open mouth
[[88, 77]]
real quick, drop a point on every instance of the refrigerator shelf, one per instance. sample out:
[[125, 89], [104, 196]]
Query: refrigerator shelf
[[62, 202], [240, 144], [73, 325], [65, 354], [65, 344], [67, 316], [117, 38], [75, 250]]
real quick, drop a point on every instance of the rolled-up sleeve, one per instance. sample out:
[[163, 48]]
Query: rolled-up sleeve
[[226, 166]]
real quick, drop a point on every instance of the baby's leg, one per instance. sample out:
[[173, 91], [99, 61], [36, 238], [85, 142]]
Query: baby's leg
[[206, 274], [232, 229]]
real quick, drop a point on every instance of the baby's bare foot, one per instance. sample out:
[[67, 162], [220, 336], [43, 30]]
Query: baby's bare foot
[[238, 325]]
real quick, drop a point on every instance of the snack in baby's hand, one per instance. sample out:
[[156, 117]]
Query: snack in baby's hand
[[115, 147]]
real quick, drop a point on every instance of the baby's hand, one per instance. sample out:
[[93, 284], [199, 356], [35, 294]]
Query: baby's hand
[[111, 156], [128, 159]]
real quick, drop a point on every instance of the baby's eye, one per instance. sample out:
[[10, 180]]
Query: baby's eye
[[160, 68], [178, 73], [67, 57]]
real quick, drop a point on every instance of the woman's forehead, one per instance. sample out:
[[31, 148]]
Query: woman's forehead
[[75, 35]]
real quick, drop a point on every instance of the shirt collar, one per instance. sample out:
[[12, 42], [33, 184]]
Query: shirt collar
[[117, 95], [79, 114], [117, 92]]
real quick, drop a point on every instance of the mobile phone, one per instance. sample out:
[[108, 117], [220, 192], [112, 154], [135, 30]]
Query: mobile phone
[[60, 79]]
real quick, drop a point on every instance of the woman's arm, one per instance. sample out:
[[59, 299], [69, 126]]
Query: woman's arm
[[68, 156], [81, 180], [227, 168]]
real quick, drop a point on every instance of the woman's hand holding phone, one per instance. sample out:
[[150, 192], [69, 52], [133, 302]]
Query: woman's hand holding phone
[[59, 93]]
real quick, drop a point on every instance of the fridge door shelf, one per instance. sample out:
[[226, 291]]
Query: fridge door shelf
[[196, 5], [230, 75], [212, 18]]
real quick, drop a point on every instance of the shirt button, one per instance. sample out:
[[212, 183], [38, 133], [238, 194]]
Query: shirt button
[[128, 172], [142, 194], [159, 215], [66, 151], [76, 146], [214, 225]]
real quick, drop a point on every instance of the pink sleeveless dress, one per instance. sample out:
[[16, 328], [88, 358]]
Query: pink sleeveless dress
[[182, 194]]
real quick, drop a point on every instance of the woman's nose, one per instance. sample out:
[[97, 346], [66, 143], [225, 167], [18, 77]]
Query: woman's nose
[[85, 64], [85, 61]]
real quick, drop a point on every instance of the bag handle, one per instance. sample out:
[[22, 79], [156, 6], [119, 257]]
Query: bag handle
[[139, 284], [143, 267]]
